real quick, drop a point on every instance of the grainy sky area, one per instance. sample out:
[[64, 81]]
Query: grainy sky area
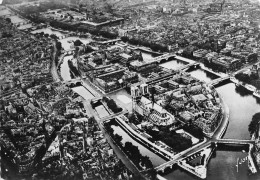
[[1, 1]]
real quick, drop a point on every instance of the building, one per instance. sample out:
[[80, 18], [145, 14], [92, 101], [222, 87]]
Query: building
[[154, 112], [227, 63], [200, 53]]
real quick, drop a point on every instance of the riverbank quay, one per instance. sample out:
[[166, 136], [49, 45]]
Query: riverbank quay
[[219, 132], [56, 77], [156, 149], [137, 137], [139, 171]]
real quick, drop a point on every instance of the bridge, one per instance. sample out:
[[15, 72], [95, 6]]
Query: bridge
[[181, 156], [109, 42], [21, 23], [218, 80], [195, 64], [113, 115], [169, 75], [163, 58], [234, 141], [188, 152], [68, 52], [72, 81]]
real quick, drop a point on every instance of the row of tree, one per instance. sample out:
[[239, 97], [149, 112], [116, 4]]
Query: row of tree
[[129, 149], [112, 105], [174, 140], [253, 127], [246, 78], [73, 69], [154, 46]]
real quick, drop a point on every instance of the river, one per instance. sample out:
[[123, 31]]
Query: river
[[64, 67], [242, 107], [175, 64], [156, 160], [222, 166]]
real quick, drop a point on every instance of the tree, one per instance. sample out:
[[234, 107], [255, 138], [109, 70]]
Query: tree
[[132, 118], [41, 34], [118, 138], [242, 77], [6, 35], [254, 124], [78, 43], [152, 174], [124, 38], [91, 120], [53, 36], [58, 45], [113, 106], [8, 20]]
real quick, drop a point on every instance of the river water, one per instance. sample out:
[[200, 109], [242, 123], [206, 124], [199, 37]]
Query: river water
[[156, 160], [242, 107], [64, 67], [173, 64]]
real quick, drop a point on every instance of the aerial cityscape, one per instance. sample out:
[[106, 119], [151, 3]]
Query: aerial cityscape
[[130, 89]]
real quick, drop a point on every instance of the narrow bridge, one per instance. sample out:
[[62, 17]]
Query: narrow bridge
[[234, 141]]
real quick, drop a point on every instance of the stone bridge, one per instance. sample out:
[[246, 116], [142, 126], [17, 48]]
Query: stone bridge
[[168, 76], [191, 151], [219, 80], [68, 52], [109, 42], [73, 82], [163, 58], [234, 141], [181, 155]]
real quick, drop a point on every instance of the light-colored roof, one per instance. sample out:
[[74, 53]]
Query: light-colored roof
[[199, 97], [124, 55]]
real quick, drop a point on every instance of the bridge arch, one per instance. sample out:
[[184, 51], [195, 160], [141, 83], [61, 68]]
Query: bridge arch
[[163, 61], [171, 58], [78, 83], [73, 84]]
